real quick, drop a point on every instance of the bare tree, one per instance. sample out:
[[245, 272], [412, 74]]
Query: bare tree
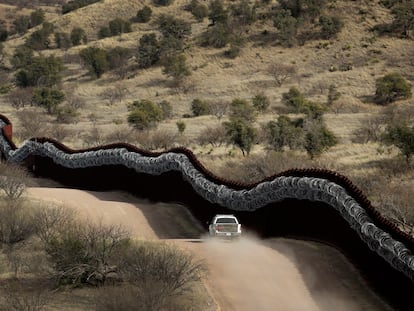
[[21, 98], [32, 124], [18, 298], [281, 72], [114, 94], [219, 109], [156, 140], [216, 136], [12, 180]]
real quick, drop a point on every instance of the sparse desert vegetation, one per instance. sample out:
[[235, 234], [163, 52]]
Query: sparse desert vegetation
[[260, 86]]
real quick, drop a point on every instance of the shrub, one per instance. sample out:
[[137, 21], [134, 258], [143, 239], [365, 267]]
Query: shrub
[[104, 32], [166, 108], [173, 27], [21, 24], [390, 88], [242, 13], [62, 40], [39, 40], [294, 99], [260, 102], [217, 36], [242, 110], [284, 133], [78, 36], [144, 114], [12, 180], [22, 57], [162, 2], [48, 98], [281, 72], [217, 14], [41, 71], [199, 10], [175, 66], [318, 139], [4, 34], [287, 26], [37, 17], [118, 60], [76, 4], [118, 26], [144, 15], [216, 136], [330, 26], [96, 60], [148, 52], [181, 126], [199, 107]]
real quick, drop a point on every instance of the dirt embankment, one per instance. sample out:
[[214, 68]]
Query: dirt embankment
[[250, 274]]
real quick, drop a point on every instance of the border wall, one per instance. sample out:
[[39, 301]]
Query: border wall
[[309, 204]]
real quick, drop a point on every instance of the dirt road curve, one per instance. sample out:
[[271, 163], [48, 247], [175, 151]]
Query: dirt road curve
[[247, 275]]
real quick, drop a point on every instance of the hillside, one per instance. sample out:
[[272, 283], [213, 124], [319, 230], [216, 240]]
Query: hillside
[[351, 62]]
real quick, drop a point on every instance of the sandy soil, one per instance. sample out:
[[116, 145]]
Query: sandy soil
[[250, 274]]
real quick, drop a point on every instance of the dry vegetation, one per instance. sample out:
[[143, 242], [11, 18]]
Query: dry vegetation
[[352, 62]]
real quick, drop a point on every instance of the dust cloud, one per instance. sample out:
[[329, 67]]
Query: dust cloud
[[256, 277], [265, 275]]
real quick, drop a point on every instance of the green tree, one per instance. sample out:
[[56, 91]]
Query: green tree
[[48, 98], [175, 66], [241, 134], [78, 36], [199, 107], [144, 15], [318, 139], [37, 17], [41, 71], [144, 114], [401, 136], [148, 52], [284, 133], [330, 26], [390, 88], [173, 27], [217, 36], [96, 60], [243, 13]]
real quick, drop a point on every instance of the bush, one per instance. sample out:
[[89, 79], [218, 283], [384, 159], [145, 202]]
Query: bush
[[85, 253], [402, 137], [21, 24], [217, 36], [199, 107], [173, 27], [330, 26], [144, 114], [216, 136], [118, 26], [260, 102], [41, 71], [78, 36], [48, 98], [241, 134], [96, 60], [62, 40], [163, 2], [240, 109], [76, 4], [104, 32], [22, 57], [294, 99], [390, 88], [4, 34], [284, 133], [318, 139], [199, 10], [39, 40], [175, 66], [148, 52], [37, 17], [287, 26], [144, 15]]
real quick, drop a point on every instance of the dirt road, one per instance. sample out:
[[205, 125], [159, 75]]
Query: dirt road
[[250, 274]]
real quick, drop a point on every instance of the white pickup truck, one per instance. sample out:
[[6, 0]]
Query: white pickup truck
[[226, 226]]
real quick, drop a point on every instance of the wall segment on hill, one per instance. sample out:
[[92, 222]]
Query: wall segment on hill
[[305, 203]]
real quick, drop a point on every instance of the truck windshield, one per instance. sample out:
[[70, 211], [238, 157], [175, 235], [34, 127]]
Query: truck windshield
[[226, 221]]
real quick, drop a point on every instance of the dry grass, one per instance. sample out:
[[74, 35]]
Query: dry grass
[[218, 79]]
